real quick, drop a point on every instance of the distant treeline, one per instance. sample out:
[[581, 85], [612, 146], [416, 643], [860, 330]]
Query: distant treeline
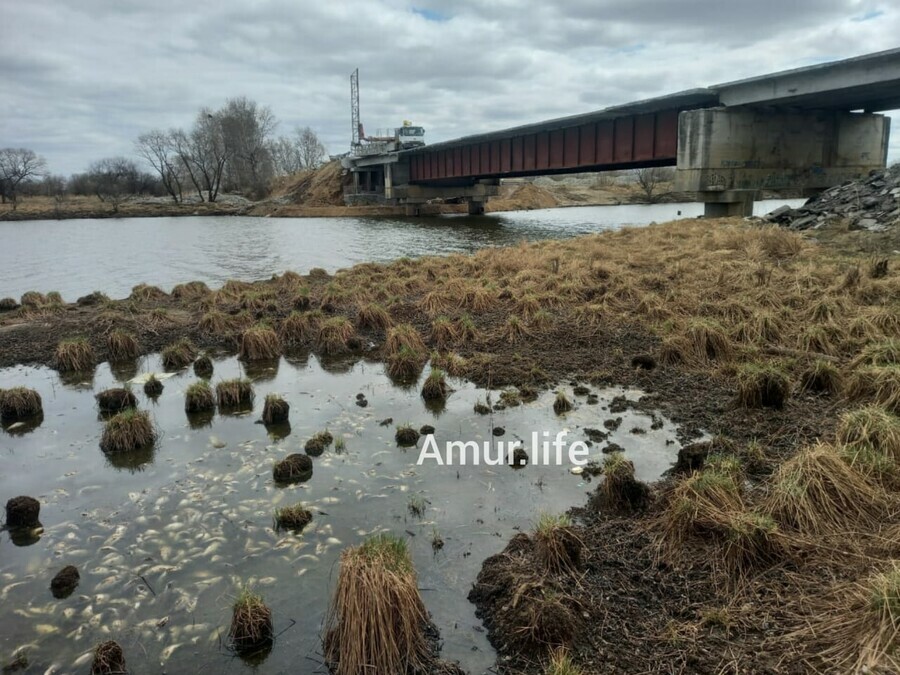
[[232, 149]]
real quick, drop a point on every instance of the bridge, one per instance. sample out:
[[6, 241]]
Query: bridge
[[804, 129]]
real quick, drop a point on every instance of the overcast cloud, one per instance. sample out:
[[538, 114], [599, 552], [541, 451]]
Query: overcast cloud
[[80, 79]]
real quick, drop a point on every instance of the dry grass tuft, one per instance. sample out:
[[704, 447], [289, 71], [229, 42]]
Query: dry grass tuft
[[871, 427], [178, 355], [885, 353], [147, 293], [702, 503], [821, 377], [294, 468], [192, 290], [876, 384], [404, 336], [19, 403], [109, 659], [75, 356], [562, 404], [816, 492], [334, 335], [128, 431], [199, 398], [259, 343], [706, 340], [299, 326], [620, 490], [405, 365], [374, 317], [376, 618], [762, 385], [116, 400], [153, 387], [122, 346], [559, 548], [435, 387], [443, 332], [562, 664], [294, 517], [215, 323], [251, 629], [236, 393], [275, 410]]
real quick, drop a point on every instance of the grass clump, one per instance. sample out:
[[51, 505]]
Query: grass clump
[[404, 336], [20, 403], [821, 377], [559, 548], [122, 346], [376, 618], [294, 517], [116, 400], [299, 326], [75, 356], [275, 410], [235, 393], [109, 659], [191, 290], [203, 367], [251, 624], [885, 353], [762, 385], [153, 387], [128, 431], [700, 504], [562, 664], [334, 335], [199, 398], [443, 332], [294, 468], [405, 365], [876, 384], [178, 355], [871, 427], [561, 404], [816, 492], [147, 293], [435, 387], [406, 436], [752, 540], [316, 445], [259, 343], [706, 340], [215, 323], [620, 489], [374, 317]]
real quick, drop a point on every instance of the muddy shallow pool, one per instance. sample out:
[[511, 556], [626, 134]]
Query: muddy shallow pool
[[164, 540]]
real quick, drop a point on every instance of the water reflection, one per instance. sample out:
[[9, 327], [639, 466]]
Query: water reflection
[[192, 517]]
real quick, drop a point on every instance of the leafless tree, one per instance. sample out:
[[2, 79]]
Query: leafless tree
[[650, 179], [285, 154], [114, 178], [247, 127], [158, 149], [312, 152], [18, 165]]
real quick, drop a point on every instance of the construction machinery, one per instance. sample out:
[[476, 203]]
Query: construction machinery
[[384, 141]]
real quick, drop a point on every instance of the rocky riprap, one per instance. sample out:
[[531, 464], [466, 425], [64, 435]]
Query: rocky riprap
[[871, 204]]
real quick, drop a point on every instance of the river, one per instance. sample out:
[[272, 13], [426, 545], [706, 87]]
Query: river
[[76, 257]]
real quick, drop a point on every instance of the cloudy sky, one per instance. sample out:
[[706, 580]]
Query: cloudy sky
[[80, 79]]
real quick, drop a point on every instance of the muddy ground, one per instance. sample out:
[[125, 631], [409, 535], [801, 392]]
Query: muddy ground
[[581, 311]]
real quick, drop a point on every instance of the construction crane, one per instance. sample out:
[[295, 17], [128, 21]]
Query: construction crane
[[390, 140]]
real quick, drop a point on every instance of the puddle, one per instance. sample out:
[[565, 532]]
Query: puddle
[[163, 540]]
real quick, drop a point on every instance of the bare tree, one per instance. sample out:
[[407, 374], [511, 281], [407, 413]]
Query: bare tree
[[310, 148], [650, 179], [209, 152], [158, 149], [18, 165], [285, 154], [113, 178], [246, 128]]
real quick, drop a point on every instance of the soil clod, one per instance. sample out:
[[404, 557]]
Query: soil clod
[[295, 468], [23, 512], [65, 582]]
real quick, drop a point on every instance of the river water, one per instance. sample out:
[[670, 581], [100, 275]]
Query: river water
[[165, 539], [77, 257]]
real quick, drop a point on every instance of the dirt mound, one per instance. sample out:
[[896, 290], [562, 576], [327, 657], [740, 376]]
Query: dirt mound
[[319, 187], [526, 197]]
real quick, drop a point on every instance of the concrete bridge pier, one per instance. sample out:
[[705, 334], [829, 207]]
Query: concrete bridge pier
[[728, 156]]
